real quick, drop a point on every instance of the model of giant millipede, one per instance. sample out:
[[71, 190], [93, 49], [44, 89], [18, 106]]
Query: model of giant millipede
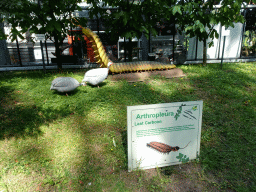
[[96, 76], [102, 59]]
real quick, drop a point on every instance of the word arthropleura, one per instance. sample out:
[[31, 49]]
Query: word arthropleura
[[164, 148], [154, 115]]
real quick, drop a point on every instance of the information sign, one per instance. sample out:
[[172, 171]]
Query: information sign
[[163, 134]]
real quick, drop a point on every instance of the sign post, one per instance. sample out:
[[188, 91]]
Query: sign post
[[163, 134]]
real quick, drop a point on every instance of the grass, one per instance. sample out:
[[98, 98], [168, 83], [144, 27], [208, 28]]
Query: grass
[[54, 142]]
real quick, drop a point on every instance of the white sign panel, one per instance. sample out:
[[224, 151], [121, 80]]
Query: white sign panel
[[38, 54], [163, 134], [225, 32], [40, 37]]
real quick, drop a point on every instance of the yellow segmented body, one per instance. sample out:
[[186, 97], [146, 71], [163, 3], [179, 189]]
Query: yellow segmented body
[[139, 66], [99, 51], [103, 60]]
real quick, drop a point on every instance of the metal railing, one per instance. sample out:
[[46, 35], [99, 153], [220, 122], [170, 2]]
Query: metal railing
[[27, 54]]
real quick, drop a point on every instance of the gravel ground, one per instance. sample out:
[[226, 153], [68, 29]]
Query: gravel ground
[[141, 76]]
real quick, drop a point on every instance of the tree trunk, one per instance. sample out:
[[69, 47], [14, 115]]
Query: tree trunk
[[204, 52], [4, 52], [56, 39], [30, 47], [130, 49], [57, 48], [125, 50]]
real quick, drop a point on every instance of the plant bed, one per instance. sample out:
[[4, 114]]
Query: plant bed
[[144, 75]]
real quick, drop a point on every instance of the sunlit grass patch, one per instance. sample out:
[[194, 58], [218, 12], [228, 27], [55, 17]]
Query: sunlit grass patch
[[78, 142]]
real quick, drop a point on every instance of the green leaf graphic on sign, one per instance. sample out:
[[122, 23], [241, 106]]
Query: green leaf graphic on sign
[[182, 158], [194, 108], [179, 111]]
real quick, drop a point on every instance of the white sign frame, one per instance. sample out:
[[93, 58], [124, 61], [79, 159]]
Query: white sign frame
[[169, 124]]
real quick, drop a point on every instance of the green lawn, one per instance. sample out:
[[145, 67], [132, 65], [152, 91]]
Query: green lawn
[[58, 142]]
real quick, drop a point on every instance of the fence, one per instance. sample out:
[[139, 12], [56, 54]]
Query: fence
[[235, 46], [27, 54], [43, 52], [239, 45]]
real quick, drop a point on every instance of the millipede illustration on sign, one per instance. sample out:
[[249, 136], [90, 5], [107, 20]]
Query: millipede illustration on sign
[[102, 59], [164, 148], [188, 114]]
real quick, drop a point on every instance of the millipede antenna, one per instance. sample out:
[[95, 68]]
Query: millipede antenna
[[186, 145]]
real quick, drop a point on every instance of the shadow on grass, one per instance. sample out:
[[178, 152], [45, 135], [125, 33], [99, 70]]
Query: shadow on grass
[[16, 120], [227, 126], [228, 116], [228, 122], [19, 119], [72, 93], [125, 146]]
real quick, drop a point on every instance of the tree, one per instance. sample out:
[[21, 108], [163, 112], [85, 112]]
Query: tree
[[4, 53], [250, 17], [195, 18], [198, 18], [128, 19], [5, 6], [51, 15]]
